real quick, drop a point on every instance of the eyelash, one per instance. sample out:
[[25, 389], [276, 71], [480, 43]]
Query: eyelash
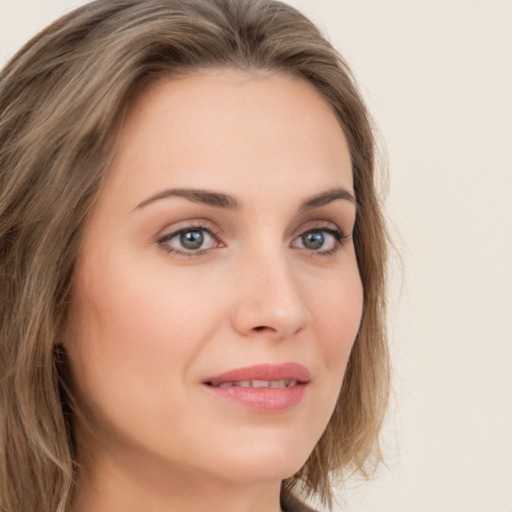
[[189, 253], [338, 234], [339, 237]]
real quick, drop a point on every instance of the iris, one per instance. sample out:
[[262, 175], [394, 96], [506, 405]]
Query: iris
[[313, 240], [192, 239]]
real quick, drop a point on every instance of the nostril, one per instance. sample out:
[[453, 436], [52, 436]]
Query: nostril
[[261, 328]]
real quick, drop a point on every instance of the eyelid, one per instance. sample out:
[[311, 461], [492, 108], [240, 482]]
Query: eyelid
[[176, 227], [320, 225]]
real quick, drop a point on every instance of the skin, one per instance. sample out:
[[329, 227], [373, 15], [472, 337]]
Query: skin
[[150, 319]]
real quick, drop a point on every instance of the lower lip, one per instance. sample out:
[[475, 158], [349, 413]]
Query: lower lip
[[262, 399]]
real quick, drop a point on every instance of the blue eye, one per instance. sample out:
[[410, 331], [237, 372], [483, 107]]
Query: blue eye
[[323, 241], [313, 240], [189, 240]]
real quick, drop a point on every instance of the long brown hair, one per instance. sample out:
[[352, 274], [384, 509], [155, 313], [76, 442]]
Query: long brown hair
[[62, 98]]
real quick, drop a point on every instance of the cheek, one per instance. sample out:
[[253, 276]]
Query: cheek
[[337, 319], [132, 337], [338, 316]]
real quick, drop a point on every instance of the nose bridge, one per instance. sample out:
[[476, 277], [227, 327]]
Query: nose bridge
[[271, 299]]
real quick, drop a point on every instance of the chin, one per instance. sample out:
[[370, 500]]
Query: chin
[[260, 461]]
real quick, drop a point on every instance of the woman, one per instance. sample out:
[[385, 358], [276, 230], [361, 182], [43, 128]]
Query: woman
[[192, 262]]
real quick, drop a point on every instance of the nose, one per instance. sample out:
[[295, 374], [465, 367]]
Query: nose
[[270, 299]]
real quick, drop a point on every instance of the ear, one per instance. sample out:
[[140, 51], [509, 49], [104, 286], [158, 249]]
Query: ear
[[64, 330]]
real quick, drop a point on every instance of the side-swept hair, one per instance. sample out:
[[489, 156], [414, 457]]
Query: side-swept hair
[[62, 99]]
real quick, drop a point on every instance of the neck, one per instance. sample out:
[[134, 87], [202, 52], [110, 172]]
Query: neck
[[107, 486]]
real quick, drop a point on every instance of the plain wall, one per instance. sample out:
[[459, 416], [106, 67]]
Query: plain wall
[[437, 76]]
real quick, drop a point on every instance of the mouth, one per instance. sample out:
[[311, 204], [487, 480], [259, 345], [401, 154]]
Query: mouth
[[284, 383], [262, 376], [262, 388]]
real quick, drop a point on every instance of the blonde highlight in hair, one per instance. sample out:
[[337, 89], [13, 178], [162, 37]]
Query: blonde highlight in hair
[[62, 98]]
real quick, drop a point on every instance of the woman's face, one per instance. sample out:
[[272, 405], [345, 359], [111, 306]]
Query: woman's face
[[218, 259]]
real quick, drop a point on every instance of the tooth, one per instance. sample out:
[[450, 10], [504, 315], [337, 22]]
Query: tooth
[[260, 383]]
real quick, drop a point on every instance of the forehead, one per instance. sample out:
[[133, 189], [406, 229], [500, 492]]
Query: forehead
[[221, 128]]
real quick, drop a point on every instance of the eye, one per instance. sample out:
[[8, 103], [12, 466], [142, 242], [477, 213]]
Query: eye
[[325, 240], [188, 241]]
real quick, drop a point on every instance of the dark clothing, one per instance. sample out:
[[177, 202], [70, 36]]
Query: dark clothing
[[291, 504]]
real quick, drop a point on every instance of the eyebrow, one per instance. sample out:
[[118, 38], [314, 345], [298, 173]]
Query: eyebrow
[[327, 197], [217, 199], [221, 200]]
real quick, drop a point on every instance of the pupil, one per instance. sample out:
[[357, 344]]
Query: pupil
[[314, 240], [192, 239]]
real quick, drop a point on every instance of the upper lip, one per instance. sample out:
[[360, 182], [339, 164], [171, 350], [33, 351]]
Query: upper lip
[[270, 372]]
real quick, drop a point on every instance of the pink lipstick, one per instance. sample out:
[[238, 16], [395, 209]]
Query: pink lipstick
[[264, 387]]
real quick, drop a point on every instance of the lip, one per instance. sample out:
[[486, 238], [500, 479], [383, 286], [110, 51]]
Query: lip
[[292, 371], [262, 399]]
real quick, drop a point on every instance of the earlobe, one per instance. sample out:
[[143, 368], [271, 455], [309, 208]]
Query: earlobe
[[59, 354], [63, 332]]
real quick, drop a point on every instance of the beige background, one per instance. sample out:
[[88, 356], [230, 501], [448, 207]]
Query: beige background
[[438, 78]]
